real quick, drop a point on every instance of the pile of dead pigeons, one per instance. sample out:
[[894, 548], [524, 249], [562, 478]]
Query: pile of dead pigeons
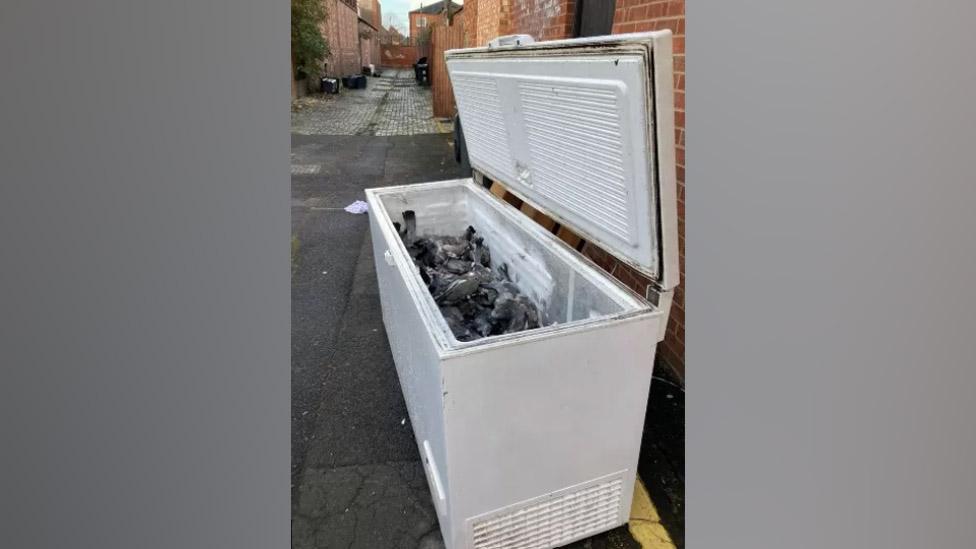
[[476, 300]]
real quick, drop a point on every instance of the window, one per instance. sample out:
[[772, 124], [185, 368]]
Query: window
[[421, 22]]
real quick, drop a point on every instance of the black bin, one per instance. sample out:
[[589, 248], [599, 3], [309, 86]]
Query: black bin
[[330, 85], [420, 71]]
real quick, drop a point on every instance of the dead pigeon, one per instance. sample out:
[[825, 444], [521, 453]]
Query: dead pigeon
[[458, 289], [438, 281], [504, 308], [410, 227], [457, 266], [482, 323], [480, 253], [455, 321], [482, 273], [457, 250], [503, 269], [474, 300], [486, 295]]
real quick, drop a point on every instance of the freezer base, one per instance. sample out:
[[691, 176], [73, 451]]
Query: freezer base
[[554, 519]]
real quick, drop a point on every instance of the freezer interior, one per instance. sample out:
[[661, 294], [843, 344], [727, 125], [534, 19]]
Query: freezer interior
[[566, 290]]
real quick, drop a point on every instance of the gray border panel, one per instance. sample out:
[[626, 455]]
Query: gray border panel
[[830, 349], [144, 221]]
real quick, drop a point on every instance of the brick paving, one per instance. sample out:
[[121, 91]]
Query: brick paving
[[392, 104]]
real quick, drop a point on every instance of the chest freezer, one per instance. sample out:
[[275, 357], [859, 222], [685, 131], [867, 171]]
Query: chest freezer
[[531, 439]]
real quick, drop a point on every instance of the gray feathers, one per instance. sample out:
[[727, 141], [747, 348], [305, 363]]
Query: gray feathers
[[475, 301]]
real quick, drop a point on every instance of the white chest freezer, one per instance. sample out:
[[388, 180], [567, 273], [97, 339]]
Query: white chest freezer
[[531, 439]]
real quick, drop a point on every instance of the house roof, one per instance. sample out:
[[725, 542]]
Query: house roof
[[437, 7]]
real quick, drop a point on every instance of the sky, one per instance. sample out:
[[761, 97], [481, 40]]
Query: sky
[[395, 11]]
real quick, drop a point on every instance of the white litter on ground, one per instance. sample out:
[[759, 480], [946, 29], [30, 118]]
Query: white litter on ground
[[357, 207]]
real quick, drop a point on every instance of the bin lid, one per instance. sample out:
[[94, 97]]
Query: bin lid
[[583, 129]]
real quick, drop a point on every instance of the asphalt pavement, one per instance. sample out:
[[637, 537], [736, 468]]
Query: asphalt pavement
[[357, 481]]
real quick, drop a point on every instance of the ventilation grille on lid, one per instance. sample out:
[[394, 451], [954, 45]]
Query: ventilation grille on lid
[[485, 135], [573, 135], [553, 520]]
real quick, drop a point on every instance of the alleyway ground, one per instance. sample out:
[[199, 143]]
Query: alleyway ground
[[390, 105], [357, 481]]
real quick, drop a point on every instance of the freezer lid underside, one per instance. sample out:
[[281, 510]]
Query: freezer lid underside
[[570, 126]]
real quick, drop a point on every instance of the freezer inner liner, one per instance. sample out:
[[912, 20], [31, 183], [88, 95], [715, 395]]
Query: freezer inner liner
[[563, 290]]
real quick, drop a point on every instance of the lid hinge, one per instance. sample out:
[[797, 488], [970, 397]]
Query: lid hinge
[[662, 300], [511, 40]]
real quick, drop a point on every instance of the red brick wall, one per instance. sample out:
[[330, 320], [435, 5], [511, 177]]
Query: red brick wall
[[371, 11], [543, 19], [494, 19], [469, 19], [648, 15], [398, 56]]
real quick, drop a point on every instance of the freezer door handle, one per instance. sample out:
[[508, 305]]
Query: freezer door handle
[[388, 257]]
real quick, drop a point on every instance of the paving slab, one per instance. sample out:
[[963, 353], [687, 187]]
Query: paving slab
[[391, 104]]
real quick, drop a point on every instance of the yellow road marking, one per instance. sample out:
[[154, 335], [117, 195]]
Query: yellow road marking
[[645, 524]]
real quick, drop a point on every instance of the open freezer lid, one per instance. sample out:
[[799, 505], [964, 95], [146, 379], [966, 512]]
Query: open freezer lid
[[583, 129]]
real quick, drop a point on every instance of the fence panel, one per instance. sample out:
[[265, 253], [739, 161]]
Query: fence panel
[[397, 56], [442, 39], [423, 50]]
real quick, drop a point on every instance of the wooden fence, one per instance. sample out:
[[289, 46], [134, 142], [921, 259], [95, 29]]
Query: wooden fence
[[423, 50], [442, 39], [397, 56]]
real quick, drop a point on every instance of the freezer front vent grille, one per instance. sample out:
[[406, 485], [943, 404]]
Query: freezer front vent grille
[[553, 520], [484, 127], [574, 137]]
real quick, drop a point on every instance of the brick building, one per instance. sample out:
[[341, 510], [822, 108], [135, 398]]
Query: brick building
[[341, 31], [425, 17], [555, 19], [390, 35], [371, 12], [468, 17], [353, 32], [494, 19], [369, 43]]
